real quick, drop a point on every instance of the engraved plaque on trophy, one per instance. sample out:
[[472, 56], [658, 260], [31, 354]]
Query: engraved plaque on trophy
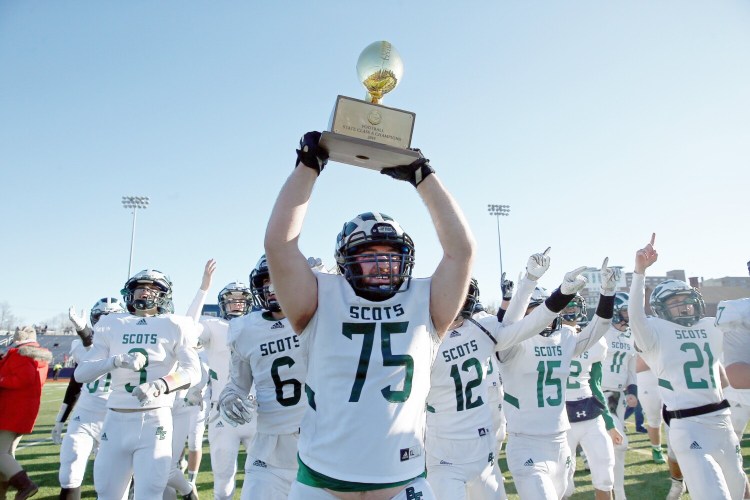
[[364, 132]]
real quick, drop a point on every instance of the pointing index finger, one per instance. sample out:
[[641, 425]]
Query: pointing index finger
[[546, 251], [578, 270], [606, 261], [653, 237]]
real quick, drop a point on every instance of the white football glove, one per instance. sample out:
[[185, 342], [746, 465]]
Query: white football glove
[[610, 277], [194, 397], [134, 361], [573, 282], [237, 410], [537, 265], [78, 322], [57, 432], [148, 392]]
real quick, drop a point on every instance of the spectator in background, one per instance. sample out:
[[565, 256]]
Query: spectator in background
[[56, 371], [23, 371]]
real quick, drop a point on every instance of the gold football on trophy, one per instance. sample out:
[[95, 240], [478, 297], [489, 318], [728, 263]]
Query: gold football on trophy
[[380, 69]]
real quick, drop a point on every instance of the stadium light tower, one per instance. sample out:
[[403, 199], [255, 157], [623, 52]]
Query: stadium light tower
[[135, 203], [497, 211]]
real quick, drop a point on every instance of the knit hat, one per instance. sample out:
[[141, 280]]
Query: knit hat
[[24, 335]]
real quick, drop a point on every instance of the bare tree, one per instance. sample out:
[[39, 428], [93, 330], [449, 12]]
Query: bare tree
[[6, 316]]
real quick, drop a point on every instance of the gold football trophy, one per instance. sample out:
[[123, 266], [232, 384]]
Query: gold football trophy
[[366, 133]]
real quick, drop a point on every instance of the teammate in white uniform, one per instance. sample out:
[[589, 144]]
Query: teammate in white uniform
[[461, 460], [150, 354], [235, 300], [591, 426], [266, 352], [534, 374], [683, 348], [90, 403], [733, 319], [373, 335], [619, 385]]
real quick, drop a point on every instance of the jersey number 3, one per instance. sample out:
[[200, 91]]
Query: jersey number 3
[[367, 330]]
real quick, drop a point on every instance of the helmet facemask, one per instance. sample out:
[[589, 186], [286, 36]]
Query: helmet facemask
[[686, 311], [472, 301], [389, 272], [575, 311], [262, 288], [231, 296], [158, 300]]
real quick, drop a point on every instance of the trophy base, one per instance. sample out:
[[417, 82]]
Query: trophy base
[[363, 153]]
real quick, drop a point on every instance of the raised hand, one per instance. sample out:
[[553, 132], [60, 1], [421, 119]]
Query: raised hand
[[310, 153], [537, 265], [646, 256], [506, 286], [610, 276], [78, 322], [208, 273], [413, 173], [573, 282]]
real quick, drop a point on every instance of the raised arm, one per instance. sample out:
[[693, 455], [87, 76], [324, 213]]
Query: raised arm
[[446, 297], [609, 277], [194, 311], [644, 336], [450, 281], [294, 283]]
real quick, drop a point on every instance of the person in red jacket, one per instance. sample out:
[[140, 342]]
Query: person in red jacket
[[23, 371]]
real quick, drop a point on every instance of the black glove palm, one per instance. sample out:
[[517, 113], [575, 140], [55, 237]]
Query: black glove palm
[[413, 173]]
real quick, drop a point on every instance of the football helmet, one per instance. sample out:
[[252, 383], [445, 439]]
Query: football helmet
[[538, 296], [579, 302], [375, 228], [690, 296], [260, 291], [232, 293], [162, 300], [621, 304], [103, 307], [472, 300]]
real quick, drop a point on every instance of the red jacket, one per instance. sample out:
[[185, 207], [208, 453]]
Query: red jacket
[[23, 371]]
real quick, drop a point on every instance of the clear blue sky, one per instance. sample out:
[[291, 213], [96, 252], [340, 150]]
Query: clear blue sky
[[598, 122]]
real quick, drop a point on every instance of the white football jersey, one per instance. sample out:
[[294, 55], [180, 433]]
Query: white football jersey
[[94, 395], [733, 318], [215, 342], [475, 341], [167, 341], [684, 359], [535, 374], [458, 404], [367, 383], [580, 371], [278, 361], [618, 370]]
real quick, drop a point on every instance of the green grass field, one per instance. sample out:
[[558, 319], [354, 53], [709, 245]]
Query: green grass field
[[40, 457]]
